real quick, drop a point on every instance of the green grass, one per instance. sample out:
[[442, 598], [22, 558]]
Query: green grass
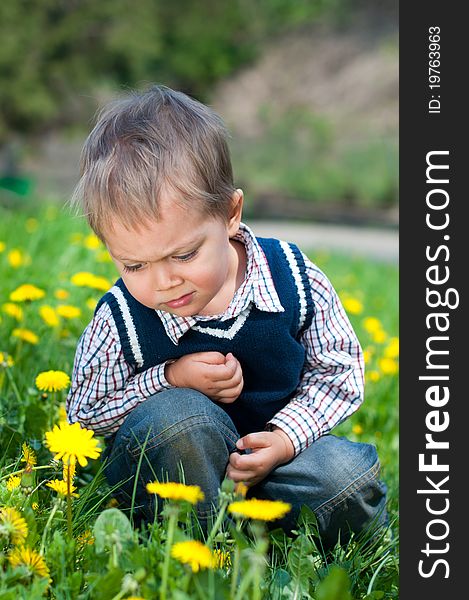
[[53, 246]]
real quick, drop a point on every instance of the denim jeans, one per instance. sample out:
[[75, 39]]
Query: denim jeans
[[338, 479]]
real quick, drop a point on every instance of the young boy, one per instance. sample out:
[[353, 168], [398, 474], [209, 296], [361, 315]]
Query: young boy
[[225, 353]]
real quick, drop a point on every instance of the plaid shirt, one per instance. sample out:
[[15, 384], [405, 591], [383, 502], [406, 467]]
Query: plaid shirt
[[105, 387]]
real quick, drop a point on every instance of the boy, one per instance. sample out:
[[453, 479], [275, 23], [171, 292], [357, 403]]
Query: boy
[[226, 354]]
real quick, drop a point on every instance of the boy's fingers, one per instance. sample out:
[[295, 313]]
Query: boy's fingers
[[259, 439], [211, 358]]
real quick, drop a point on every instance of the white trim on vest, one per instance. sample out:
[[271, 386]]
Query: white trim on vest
[[129, 324], [226, 333], [298, 281]]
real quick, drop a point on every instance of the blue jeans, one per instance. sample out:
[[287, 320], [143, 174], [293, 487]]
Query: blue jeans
[[336, 478]]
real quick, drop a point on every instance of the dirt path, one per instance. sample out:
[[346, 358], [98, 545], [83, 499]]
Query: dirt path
[[370, 243]]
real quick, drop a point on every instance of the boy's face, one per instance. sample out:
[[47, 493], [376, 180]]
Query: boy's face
[[184, 263]]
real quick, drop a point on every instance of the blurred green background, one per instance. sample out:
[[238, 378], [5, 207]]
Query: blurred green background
[[308, 89]]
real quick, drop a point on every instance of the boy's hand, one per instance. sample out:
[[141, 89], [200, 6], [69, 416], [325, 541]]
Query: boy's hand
[[269, 449], [217, 376]]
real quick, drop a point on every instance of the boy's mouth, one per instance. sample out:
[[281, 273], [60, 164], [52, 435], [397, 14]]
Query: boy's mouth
[[182, 301]]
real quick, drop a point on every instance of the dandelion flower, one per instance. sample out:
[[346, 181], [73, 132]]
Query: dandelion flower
[[262, 510], [86, 538], [12, 525], [26, 293], [28, 455], [29, 558], [195, 554], [49, 315], [6, 360], [176, 491], [61, 488], [26, 335], [61, 294], [388, 366], [15, 258], [92, 242], [71, 443], [373, 376], [2, 246], [353, 306], [222, 558], [372, 324], [85, 279], [357, 429], [52, 381], [68, 312], [91, 303], [34, 505], [241, 489], [13, 310], [379, 336], [13, 482], [392, 349]]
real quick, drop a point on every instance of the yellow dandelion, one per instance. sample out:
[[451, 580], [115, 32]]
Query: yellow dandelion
[[61, 294], [195, 554], [367, 356], [27, 293], [388, 366], [16, 258], [52, 381], [31, 225], [13, 526], [92, 242], [61, 488], [2, 246], [353, 306], [373, 376], [262, 510], [69, 471], [86, 538], [49, 315], [13, 310], [372, 324], [222, 558], [241, 489], [71, 443], [26, 335], [34, 505], [68, 312], [30, 559], [357, 429], [103, 256], [91, 303], [28, 455], [13, 482], [379, 336], [6, 360], [85, 279], [392, 349], [62, 414], [176, 491]]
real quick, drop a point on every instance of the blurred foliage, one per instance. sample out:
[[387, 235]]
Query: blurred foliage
[[55, 53]]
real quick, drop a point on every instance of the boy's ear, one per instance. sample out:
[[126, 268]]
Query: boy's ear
[[236, 212]]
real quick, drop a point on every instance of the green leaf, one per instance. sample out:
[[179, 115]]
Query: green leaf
[[300, 565], [336, 586]]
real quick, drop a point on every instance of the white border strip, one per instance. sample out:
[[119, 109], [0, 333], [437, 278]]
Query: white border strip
[[298, 281], [129, 324]]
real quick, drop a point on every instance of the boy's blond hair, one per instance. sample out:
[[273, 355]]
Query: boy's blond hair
[[150, 142]]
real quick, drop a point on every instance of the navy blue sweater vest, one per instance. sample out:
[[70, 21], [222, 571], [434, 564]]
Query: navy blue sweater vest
[[265, 343]]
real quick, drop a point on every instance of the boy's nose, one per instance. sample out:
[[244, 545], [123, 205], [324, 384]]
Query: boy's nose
[[164, 279]]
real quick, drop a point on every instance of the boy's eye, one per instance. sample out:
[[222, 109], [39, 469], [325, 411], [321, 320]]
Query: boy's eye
[[131, 268], [186, 257]]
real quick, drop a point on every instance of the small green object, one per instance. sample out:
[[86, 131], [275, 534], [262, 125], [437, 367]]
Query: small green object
[[19, 185]]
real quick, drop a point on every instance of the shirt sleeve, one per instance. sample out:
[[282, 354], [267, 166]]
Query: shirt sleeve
[[104, 385], [332, 383]]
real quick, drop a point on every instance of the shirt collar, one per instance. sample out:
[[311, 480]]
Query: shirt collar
[[258, 287]]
